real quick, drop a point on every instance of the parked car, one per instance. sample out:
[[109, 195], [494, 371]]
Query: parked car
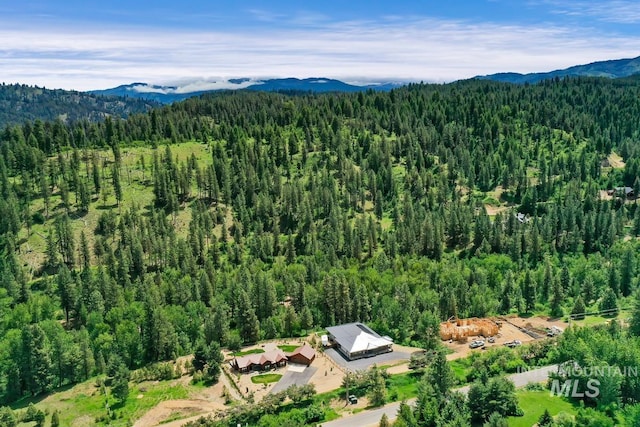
[[476, 344], [514, 343], [491, 340], [353, 399]]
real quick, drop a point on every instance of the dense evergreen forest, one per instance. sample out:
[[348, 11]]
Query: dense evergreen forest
[[19, 103], [398, 209]]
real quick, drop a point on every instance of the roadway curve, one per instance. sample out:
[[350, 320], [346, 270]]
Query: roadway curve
[[372, 417]]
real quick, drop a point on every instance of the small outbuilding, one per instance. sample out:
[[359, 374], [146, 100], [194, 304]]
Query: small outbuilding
[[303, 355]]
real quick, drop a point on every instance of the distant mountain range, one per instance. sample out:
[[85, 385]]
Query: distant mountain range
[[20, 103], [169, 94], [612, 69]]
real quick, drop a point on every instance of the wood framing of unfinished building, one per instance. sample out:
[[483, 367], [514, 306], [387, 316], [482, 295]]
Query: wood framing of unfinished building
[[459, 329]]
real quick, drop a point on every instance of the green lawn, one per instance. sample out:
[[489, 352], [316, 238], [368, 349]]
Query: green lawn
[[599, 320], [533, 403], [288, 348], [266, 378], [247, 352], [402, 386]]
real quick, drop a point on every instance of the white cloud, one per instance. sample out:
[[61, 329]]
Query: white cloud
[[193, 86], [613, 11], [411, 50]]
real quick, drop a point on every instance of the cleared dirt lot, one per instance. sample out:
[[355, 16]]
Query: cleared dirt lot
[[207, 401]]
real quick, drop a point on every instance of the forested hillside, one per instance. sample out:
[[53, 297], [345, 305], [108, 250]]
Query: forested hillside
[[616, 68], [126, 242], [21, 103]]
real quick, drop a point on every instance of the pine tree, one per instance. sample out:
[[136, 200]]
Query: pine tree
[[378, 392], [614, 282], [120, 383], [440, 375], [547, 281], [52, 260], [565, 279], [545, 420], [95, 174], [45, 192], [384, 421], [306, 319], [66, 291], [84, 196], [588, 289], [636, 221], [557, 297], [117, 186], [627, 272], [247, 320], [37, 369], [529, 292], [634, 323], [609, 303], [579, 309], [85, 253], [507, 293], [291, 250]]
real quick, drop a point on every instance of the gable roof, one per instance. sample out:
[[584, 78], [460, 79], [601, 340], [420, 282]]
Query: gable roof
[[356, 337], [273, 356], [305, 351]]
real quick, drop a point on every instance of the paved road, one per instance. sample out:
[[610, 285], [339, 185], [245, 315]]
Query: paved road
[[372, 417], [291, 377]]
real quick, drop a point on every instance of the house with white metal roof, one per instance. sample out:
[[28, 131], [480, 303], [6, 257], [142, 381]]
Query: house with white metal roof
[[356, 340]]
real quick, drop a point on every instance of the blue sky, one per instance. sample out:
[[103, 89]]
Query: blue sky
[[75, 44]]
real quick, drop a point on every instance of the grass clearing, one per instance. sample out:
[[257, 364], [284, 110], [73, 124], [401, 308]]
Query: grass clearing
[[288, 348], [403, 386], [533, 403], [84, 403], [266, 378], [460, 369], [594, 320]]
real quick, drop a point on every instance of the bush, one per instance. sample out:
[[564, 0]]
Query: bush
[[157, 372], [38, 218], [314, 413], [534, 387]]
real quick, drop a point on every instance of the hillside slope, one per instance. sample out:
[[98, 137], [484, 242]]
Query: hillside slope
[[612, 69], [170, 94], [20, 103]]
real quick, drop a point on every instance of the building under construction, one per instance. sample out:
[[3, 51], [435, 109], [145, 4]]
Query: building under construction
[[459, 329]]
